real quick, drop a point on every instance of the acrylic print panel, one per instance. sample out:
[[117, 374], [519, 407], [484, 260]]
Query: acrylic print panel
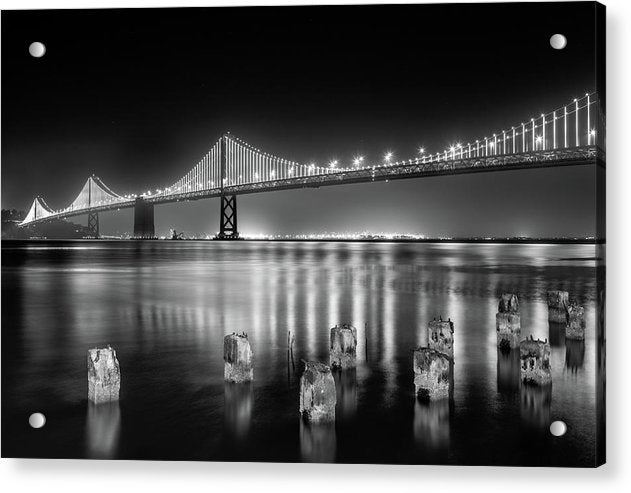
[[415, 270]]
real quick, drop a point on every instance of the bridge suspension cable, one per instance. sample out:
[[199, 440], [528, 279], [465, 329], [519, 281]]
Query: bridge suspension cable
[[39, 210], [576, 124], [93, 194], [233, 163], [244, 164]]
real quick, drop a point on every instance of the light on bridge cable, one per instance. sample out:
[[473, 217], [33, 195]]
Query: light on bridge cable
[[245, 163]]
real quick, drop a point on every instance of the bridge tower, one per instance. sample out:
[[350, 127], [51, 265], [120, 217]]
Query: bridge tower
[[144, 228], [93, 224], [93, 217], [228, 202]]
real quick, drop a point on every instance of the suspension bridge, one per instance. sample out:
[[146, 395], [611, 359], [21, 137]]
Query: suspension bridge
[[572, 134]]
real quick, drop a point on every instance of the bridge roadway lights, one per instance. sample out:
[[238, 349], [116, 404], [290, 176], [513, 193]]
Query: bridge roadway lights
[[93, 224], [228, 219], [144, 228]]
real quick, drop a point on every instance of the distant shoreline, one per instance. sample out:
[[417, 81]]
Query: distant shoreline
[[560, 241]]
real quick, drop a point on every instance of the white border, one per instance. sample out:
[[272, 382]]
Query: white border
[[108, 476]]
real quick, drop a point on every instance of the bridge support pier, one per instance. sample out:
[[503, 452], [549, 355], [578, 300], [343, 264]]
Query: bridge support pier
[[228, 219], [144, 228], [93, 224]]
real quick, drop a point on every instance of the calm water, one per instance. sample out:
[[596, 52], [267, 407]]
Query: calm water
[[165, 307]]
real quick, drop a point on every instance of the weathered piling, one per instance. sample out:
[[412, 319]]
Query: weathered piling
[[535, 361], [441, 336], [508, 327], [238, 358], [317, 392], [432, 374], [290, 355], [507, 322], [575, 328], [557, 306], [508, 303], [343, 347], [104, 375]]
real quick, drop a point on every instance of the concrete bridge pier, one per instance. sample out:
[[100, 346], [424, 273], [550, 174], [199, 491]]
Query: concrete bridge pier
[[144, 228]]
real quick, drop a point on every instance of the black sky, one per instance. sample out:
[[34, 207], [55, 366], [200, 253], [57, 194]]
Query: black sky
[[137, 96]]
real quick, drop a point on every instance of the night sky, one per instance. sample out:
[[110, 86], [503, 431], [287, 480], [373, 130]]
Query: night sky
[[138, 96]]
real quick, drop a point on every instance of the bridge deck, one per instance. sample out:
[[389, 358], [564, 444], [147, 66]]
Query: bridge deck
[[415, 169]]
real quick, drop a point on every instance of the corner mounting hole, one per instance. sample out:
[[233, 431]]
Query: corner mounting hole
[[558, 41], [37, 49], [558, 428], [37, 420]]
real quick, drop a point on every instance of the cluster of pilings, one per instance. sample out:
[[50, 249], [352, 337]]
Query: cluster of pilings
[[433, 363], [524, 364], [534, 354], [567, 321], [567, 313], [318, 394], [317, 385]]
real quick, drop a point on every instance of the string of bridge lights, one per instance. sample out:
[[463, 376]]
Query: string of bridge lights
[[537, 134], [571, 125]]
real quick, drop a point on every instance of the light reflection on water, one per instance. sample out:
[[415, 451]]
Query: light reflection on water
[[103, 430], [165, 307]]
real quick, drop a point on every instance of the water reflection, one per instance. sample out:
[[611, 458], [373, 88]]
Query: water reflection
[[535, 406], [508, 371], [574, 355], [238, 409], [178, 299], [557, 334], [318, 442], [103, 430], [346, 390], [432, 425]]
